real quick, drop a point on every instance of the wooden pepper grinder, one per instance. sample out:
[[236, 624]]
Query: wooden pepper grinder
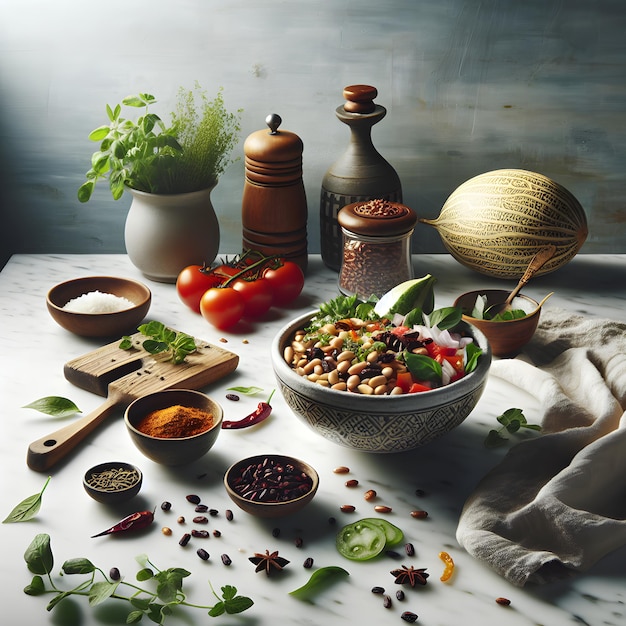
[[360, 174], [274, 208]]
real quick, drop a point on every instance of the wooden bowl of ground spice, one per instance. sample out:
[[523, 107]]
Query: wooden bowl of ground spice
[[174, 427]]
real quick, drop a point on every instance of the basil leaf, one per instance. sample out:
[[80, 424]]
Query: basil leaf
[[319, 580], [422, 367], [472, 352], [38, 555], [78, 566], [54, 405], [26, 509], [414, 317], [238, 604], [36, 587], [101, 591], [250, 391], [445, 318]]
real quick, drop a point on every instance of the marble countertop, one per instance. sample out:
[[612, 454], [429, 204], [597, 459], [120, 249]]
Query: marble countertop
[[436, 478]]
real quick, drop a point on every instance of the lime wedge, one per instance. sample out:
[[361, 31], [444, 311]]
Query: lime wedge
[[417, 293]]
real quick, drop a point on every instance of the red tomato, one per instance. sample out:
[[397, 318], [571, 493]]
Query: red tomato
[[435, 350], [257, 295], [418, 387], [191, 284], [222, 306], [404, 380], [286, 282]]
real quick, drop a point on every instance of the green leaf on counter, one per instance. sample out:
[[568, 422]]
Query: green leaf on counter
[[248, 391], [320, 579], [38, 555], [54, 405], [512, 420], [26, 509]]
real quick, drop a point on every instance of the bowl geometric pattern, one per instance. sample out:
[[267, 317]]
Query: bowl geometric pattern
[[380, 432]]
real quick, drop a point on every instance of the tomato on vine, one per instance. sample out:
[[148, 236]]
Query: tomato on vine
[[192, 282], [257, 294], [222, 306], [286, 282]]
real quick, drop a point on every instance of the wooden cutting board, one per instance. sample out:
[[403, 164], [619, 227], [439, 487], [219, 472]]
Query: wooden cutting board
[[123, 376]]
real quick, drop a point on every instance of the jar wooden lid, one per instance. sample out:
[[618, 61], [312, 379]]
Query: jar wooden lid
[[377, 218], [273, 145]]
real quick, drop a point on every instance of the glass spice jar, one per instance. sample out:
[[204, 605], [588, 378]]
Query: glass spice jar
[[376, 247]]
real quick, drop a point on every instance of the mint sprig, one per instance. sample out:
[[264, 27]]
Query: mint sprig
[[512, 420], [161, 339], [155, 602]]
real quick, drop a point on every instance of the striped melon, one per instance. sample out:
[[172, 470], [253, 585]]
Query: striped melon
[[495, 222]]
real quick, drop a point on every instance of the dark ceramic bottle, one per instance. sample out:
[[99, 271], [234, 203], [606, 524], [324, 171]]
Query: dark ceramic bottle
[[274, 208], [360, 174]]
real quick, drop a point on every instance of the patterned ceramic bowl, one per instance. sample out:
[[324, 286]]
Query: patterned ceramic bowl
[[378, 423]]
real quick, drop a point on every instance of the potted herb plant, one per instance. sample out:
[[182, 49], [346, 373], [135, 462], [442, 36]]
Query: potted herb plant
[[170, 169]]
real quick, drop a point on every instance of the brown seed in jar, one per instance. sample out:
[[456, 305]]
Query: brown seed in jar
[[347, 508], [381, 508], [370, 494], [353, 482], [365, 389], [342, 469]]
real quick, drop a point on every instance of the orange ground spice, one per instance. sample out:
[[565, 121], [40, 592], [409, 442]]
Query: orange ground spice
[[176, 421]]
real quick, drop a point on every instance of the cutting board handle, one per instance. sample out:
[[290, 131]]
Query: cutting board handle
[[45, 452]]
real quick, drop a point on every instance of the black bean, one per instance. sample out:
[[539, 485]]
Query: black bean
[[400, 594], [200, 519], [298, 541], [378, 590], [184, 540], [275, 532], [393, 554], [308, 563], [201, 534], [217, 533], [114, 573], [229, 515], [408, 616], [201, 508], [203, 554], [166, 506], [409, 549], [386, 601], [193, 498], [226, 559], [213, 512], [232, 396]]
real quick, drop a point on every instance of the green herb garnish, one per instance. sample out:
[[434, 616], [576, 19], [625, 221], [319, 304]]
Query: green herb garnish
[[54, 405], [246, 391], [156, 603], [319, 580], [512, 420], [27, 508], [161, 339]]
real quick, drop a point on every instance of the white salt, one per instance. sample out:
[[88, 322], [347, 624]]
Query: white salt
[[98, 302]]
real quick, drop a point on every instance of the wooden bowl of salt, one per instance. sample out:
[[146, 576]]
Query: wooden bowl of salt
[[99, 306]]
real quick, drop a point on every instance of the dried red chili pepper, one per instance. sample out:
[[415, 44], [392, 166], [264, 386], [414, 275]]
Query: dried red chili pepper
[[261, 413], [135, 521]]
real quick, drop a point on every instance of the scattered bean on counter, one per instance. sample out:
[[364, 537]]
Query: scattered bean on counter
[[226, 559], [503, 601], [193, 498], [370, 494], [184, 540], [203, 554], [419, 514], [352, 483]]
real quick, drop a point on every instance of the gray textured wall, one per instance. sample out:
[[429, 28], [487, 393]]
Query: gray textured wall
[[469, 86]]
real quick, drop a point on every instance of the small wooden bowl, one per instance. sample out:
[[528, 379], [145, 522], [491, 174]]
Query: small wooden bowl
[[99, 324], [270, 509], [173, 450], [114, 490], [506, 338]]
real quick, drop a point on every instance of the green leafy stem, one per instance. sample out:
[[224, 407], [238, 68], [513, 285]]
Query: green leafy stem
[[161, 339], [156, 604], [512, 420]]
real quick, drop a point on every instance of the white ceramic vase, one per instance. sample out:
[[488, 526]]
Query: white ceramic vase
[[165, 233]]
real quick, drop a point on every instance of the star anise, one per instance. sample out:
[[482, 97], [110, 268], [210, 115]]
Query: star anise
[[268, 562], [410, 575]]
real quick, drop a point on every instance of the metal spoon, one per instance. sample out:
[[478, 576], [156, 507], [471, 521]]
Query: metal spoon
[[540, 258]]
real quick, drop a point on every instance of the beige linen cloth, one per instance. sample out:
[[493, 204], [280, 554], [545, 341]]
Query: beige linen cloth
[[556, 503]]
